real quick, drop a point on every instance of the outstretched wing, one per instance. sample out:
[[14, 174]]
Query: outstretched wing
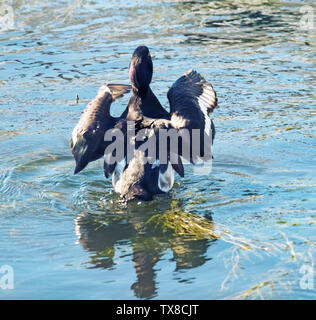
[[191, 100], [189, 131], [87, 141]]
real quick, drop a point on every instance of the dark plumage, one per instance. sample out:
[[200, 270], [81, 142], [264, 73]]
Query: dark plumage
[[87, 141], [191, 100]]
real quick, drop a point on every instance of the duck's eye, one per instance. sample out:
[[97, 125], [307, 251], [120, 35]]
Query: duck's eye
[[149, 55]]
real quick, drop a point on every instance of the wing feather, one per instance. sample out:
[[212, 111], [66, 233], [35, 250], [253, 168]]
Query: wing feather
[[191, 100], [87, 140]]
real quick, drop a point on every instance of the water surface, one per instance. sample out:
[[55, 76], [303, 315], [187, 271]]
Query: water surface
[[243, 231]]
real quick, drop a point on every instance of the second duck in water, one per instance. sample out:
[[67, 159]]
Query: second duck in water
[[160, 139]]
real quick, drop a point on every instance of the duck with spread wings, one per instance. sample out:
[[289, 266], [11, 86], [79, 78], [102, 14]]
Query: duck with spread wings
[[139, 174]]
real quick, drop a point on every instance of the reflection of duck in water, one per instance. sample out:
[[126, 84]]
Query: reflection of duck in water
[[143, 174], [149, 237]]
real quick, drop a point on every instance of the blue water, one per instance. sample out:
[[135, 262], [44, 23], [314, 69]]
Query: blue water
[[242, 231]]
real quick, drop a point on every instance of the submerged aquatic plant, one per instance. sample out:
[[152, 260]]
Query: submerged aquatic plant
[[177, 222]]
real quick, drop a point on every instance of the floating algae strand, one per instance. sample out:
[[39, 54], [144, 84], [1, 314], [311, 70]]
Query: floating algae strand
[[179, 223], [190, 226]]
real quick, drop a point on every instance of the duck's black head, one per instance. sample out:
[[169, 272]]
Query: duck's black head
[[141, 69]]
